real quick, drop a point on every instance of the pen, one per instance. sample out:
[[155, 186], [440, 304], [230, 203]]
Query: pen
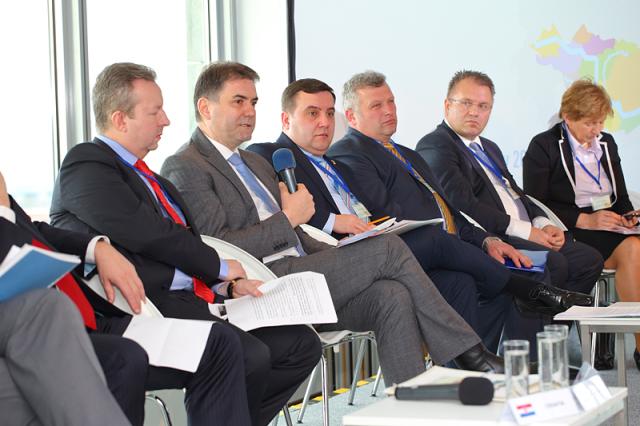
[[373, 222]]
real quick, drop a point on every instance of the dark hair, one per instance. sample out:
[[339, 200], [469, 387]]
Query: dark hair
[[479, 77], [307, 85], [213, 77], [113, 90]]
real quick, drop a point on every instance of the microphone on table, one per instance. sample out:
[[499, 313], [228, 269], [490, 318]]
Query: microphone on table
[[284, 164], [470, 391]]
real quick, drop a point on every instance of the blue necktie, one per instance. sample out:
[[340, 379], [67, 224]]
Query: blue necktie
[[250, 180], [477, 149]]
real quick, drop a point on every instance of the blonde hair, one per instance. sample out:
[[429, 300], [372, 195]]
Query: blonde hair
[[584, 98]]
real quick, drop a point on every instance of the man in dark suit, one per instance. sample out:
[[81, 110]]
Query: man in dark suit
[[475, 178], [375, 284], [394, 180], [211, 391], [105, 186]]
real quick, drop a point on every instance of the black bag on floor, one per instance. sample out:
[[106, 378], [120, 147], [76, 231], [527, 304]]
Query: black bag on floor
[[605, 351]]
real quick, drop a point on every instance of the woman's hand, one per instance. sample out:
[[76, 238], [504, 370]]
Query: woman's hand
[[601, 220]]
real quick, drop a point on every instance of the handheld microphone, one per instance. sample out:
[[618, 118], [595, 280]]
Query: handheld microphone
[[470, 391], [284, 164]]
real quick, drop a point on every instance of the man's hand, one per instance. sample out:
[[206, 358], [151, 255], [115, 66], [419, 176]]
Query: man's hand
[[499, 250], [299, 206], [4, 195], [243, 287], [350, 224], [550, 237], [601, 220], [116, 271], [556, 236], [235, 270]]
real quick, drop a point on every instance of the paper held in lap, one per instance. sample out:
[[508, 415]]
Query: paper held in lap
[[388, 227], [301, 298]]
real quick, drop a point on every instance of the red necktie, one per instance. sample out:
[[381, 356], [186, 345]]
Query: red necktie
[[68, 285], [199, 288]]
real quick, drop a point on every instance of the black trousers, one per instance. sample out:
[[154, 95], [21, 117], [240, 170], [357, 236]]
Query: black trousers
[[215, 392], [276, 359]]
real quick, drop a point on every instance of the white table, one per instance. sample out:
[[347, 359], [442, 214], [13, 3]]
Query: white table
[[618, 326], [390, 412]]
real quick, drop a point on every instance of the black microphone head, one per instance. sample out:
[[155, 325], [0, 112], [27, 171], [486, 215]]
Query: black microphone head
[[475, 391], [282, 159]]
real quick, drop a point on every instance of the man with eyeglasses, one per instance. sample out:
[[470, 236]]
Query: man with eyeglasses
[[391, 179], [475, 178]]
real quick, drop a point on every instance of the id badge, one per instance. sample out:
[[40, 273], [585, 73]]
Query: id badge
[[601, 202]]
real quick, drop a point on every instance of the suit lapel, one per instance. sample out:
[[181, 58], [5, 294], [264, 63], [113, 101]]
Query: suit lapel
[[217, 161], [264, 174], [565, 151]]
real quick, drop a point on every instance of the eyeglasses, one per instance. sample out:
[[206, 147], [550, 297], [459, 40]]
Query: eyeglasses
[[466, 104]]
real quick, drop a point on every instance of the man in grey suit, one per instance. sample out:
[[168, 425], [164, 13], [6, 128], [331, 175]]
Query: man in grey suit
[[49, 373], [375, 284]]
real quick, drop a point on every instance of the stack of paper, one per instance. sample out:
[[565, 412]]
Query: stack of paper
[[617, 310]]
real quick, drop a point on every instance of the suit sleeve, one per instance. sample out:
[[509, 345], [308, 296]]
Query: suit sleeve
[[98, 193], [623, 203], [198, 188], [537, 166], [446, 164]]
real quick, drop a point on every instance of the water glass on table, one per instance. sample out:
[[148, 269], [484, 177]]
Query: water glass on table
[[560, 376], [516, 363], [553, 368]]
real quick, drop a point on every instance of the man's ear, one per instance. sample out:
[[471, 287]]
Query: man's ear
[[203, 108], [351, 117], [284, 117], [119, 121]]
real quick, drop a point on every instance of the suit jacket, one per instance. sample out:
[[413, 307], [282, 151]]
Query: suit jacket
[[384, 185], [465, 181], [24, 231], [96, 192], [306, 174], [546, 178], [221, 205]]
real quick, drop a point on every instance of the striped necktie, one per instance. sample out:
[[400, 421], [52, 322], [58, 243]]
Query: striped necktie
[[201, 289], [449, 221]]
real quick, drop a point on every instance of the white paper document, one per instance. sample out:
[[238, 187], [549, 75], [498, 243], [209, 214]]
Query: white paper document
[[170, 342], [626, 231], [390, 226], [301, 298], [617, 310]]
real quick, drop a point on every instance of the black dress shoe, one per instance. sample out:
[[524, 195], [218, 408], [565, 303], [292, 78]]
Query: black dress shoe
[[478, 358], [636, 358], [550, 300]]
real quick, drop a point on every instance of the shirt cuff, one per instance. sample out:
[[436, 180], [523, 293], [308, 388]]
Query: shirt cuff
[[90, 255], [224, 269], [328, 227], [519, 228], [220, 288], [541, 221], [8, 214]]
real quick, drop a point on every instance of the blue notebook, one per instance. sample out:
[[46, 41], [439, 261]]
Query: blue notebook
[[29, 268], [539, 259]]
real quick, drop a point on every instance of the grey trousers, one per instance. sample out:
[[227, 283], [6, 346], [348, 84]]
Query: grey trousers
[[378, 285], [49, 373]]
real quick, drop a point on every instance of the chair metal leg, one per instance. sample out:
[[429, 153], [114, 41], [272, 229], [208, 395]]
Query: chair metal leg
[[325, 391], [287, 416], [307, 393], [163, 408], [356, 371], [377, 382]]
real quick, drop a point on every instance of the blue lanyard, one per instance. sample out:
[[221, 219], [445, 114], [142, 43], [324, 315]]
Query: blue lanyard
[[164, 192], [406, 163], [334, 176], [491, 166], [581, 164]]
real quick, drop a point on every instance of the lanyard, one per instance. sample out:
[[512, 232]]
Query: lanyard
[[583, 167], [491, 166], [150, 178], [406, 163], [334, 176]]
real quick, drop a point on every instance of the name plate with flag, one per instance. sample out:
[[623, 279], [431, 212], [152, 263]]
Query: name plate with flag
[[543, 406]]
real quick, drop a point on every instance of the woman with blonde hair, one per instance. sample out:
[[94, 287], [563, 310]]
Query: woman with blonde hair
[[574, 168]]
